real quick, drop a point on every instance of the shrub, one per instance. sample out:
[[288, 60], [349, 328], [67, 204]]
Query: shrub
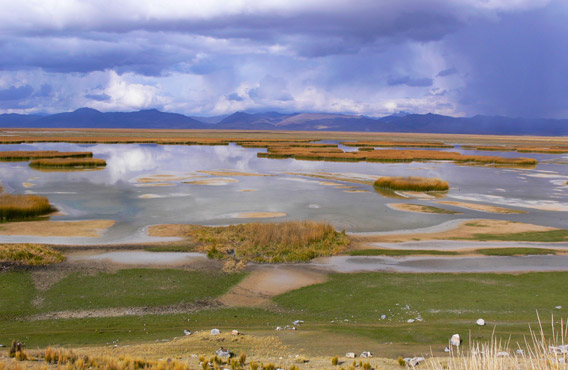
[[334, 361], [401, 361], [242, 358], [253, 365], [367, 366]]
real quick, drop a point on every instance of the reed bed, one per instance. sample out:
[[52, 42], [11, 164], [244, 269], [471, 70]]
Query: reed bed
[[292, 241], [393, 156], [29, 255], [261, 144], [543, 150], [68, 163], [412, 183], [40, 154], [19, 206], [387, 144], [489, 148]]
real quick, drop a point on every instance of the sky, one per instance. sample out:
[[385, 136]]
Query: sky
[[213, 57]]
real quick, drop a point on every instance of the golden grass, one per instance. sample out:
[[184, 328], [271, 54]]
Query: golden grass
[[401, 144], [29, 255], [18, 206], [543, 150], [292, 241], [68, 163], [29, 155], [412, 183], [489, 148], [392, 155]]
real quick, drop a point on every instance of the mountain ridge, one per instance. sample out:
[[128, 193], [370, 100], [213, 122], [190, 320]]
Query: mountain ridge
[[301, 121]]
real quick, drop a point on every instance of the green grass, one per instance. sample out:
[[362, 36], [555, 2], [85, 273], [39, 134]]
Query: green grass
[[514, 251], [529, 236], [17, 292], [400, 252], [135, 287]]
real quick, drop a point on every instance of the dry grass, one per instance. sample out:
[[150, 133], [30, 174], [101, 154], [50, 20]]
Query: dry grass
[[540, 353], [68, 163], [392, 155], [29, 155], [400, 144], [292, 241], [29, 255], [18, 206], [412, 183], [489, 148], [543, 150]]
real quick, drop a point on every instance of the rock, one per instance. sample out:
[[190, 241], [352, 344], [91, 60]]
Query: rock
[[223, 353], [298, 322], [350, 355], [559, 350], [383, 317], [278, 328], [520, 352], [366, 354], [480, 322], [186, 332], [455, 340], [558, 307], [414, 361], [410, 321], [215, 331], [503, 354], [235, 332], [446, 349]]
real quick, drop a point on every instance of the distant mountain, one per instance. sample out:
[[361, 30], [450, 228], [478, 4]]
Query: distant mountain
[[399, 122]]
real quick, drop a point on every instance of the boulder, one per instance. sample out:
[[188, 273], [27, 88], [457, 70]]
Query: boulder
[[186, 332], [215, 331], [455, 340], [414, 361], [366, 354], [559, 350], [350, 355], [480, 322], [223, 353]]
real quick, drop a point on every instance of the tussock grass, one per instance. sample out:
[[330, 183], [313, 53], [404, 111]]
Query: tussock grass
[[68, 163], [400, 144], [29, 255], [412, 183], [18, 206], [292, 241], [29, 155]]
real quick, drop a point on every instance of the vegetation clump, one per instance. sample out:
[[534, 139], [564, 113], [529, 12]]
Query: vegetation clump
[[292, 241], [400, 144], [38, 154], [412, 183], [29, 255], [18, 206], [68, 163]]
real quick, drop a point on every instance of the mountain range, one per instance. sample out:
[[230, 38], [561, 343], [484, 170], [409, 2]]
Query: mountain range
[[419, 123]]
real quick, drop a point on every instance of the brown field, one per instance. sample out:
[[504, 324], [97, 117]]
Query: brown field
[[29, 155], [18, 206], [412, 183], [397, 144], [68, 163]]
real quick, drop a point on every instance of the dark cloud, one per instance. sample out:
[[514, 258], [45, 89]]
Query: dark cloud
[[234, 97], [410, 81], [16, 93], [447, 72], [98, 97]]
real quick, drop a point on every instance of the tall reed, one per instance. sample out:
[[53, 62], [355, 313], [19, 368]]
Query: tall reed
[[18, 206], [412, 183], [68, 163]]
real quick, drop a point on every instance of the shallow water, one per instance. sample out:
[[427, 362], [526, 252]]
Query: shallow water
[[142, 258], [113, 193]]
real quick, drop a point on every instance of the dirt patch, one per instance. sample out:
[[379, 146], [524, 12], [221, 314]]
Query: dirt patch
[[418, 208], [127, 311], [466, 229], [219, 181], [260, 214], [266, 282], [480, 207], [88, 229]]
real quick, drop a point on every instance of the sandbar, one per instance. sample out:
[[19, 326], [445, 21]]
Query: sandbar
[[88, 229], [219, 181], [480, 207], [419, 208]]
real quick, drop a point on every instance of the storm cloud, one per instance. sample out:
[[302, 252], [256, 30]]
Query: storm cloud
[[214, 57]]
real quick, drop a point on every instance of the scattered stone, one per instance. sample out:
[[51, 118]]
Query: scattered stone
[[235, 332], [298, 322], [383, 317], [366, 354], [559, 350], [502, 354], [223, 353], [278, 328], [350, 355], [480, 322], [520, 352], [186, 332], [414, 361], [410, 321], [215, 331], [455, 340]]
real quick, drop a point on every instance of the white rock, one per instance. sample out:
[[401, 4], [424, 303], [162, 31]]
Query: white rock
[[366, 354], [215, 331], [480, 322], [455, 340], [412, 362], [383, 317], [186, 332], [298, 322], [502, 354], [350, 355], [446, 349], [278, 328], [520, 352], [558, 307], [559, 350], [410, 321], [235, 332]]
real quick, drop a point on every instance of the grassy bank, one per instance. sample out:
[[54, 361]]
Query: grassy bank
[[533, 236], [68, 163], [293, 241], [29, 155], [29, 255], [412, 183], [399, 144], [19, 206]]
